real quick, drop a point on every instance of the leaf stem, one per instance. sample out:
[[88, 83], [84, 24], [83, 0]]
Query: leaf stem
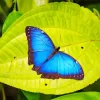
[[3, 94], [69, 0], [14, 5]]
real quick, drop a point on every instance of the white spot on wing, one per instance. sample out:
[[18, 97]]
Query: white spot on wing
[[28, 29], [42, 31], [77, 62]]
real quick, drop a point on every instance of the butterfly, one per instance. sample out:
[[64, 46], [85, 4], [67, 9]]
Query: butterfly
[[48, 60]]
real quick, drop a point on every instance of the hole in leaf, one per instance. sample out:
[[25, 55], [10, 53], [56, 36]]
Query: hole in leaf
[[82, 47], [45, 84], [14, 57]]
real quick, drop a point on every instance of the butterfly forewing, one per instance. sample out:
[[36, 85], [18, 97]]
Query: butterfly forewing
[[40, 46]]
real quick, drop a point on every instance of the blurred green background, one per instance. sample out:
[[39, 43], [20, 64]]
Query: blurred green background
[[6, 6]]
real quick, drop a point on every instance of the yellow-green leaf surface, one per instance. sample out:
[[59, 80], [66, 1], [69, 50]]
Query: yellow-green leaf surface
[[75, 29]]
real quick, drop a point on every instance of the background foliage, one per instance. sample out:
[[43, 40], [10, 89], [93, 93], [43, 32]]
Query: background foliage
[[7, 6]]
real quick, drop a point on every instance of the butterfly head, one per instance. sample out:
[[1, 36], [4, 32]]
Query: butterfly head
[[58, 48]]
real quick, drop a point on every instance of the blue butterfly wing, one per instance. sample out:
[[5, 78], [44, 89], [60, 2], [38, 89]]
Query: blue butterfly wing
[[40, 46], [61, 65]]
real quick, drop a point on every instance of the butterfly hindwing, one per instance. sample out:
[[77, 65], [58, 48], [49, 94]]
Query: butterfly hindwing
[[62, 65]]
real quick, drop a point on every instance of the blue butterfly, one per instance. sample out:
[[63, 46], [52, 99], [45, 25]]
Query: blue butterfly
[[48, 60]]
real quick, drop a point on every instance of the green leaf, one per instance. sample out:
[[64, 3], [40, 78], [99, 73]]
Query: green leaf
[[96, 6], [45, 97], [97, 13], [31, 96], [9, 3], [80, 96], [78, 31], [24, 6], [2, 11], [12, 17], [21, 96], [93, 87]]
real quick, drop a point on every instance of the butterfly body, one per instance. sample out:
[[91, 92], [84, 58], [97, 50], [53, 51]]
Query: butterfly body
[[54, 52], [48, 60]]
